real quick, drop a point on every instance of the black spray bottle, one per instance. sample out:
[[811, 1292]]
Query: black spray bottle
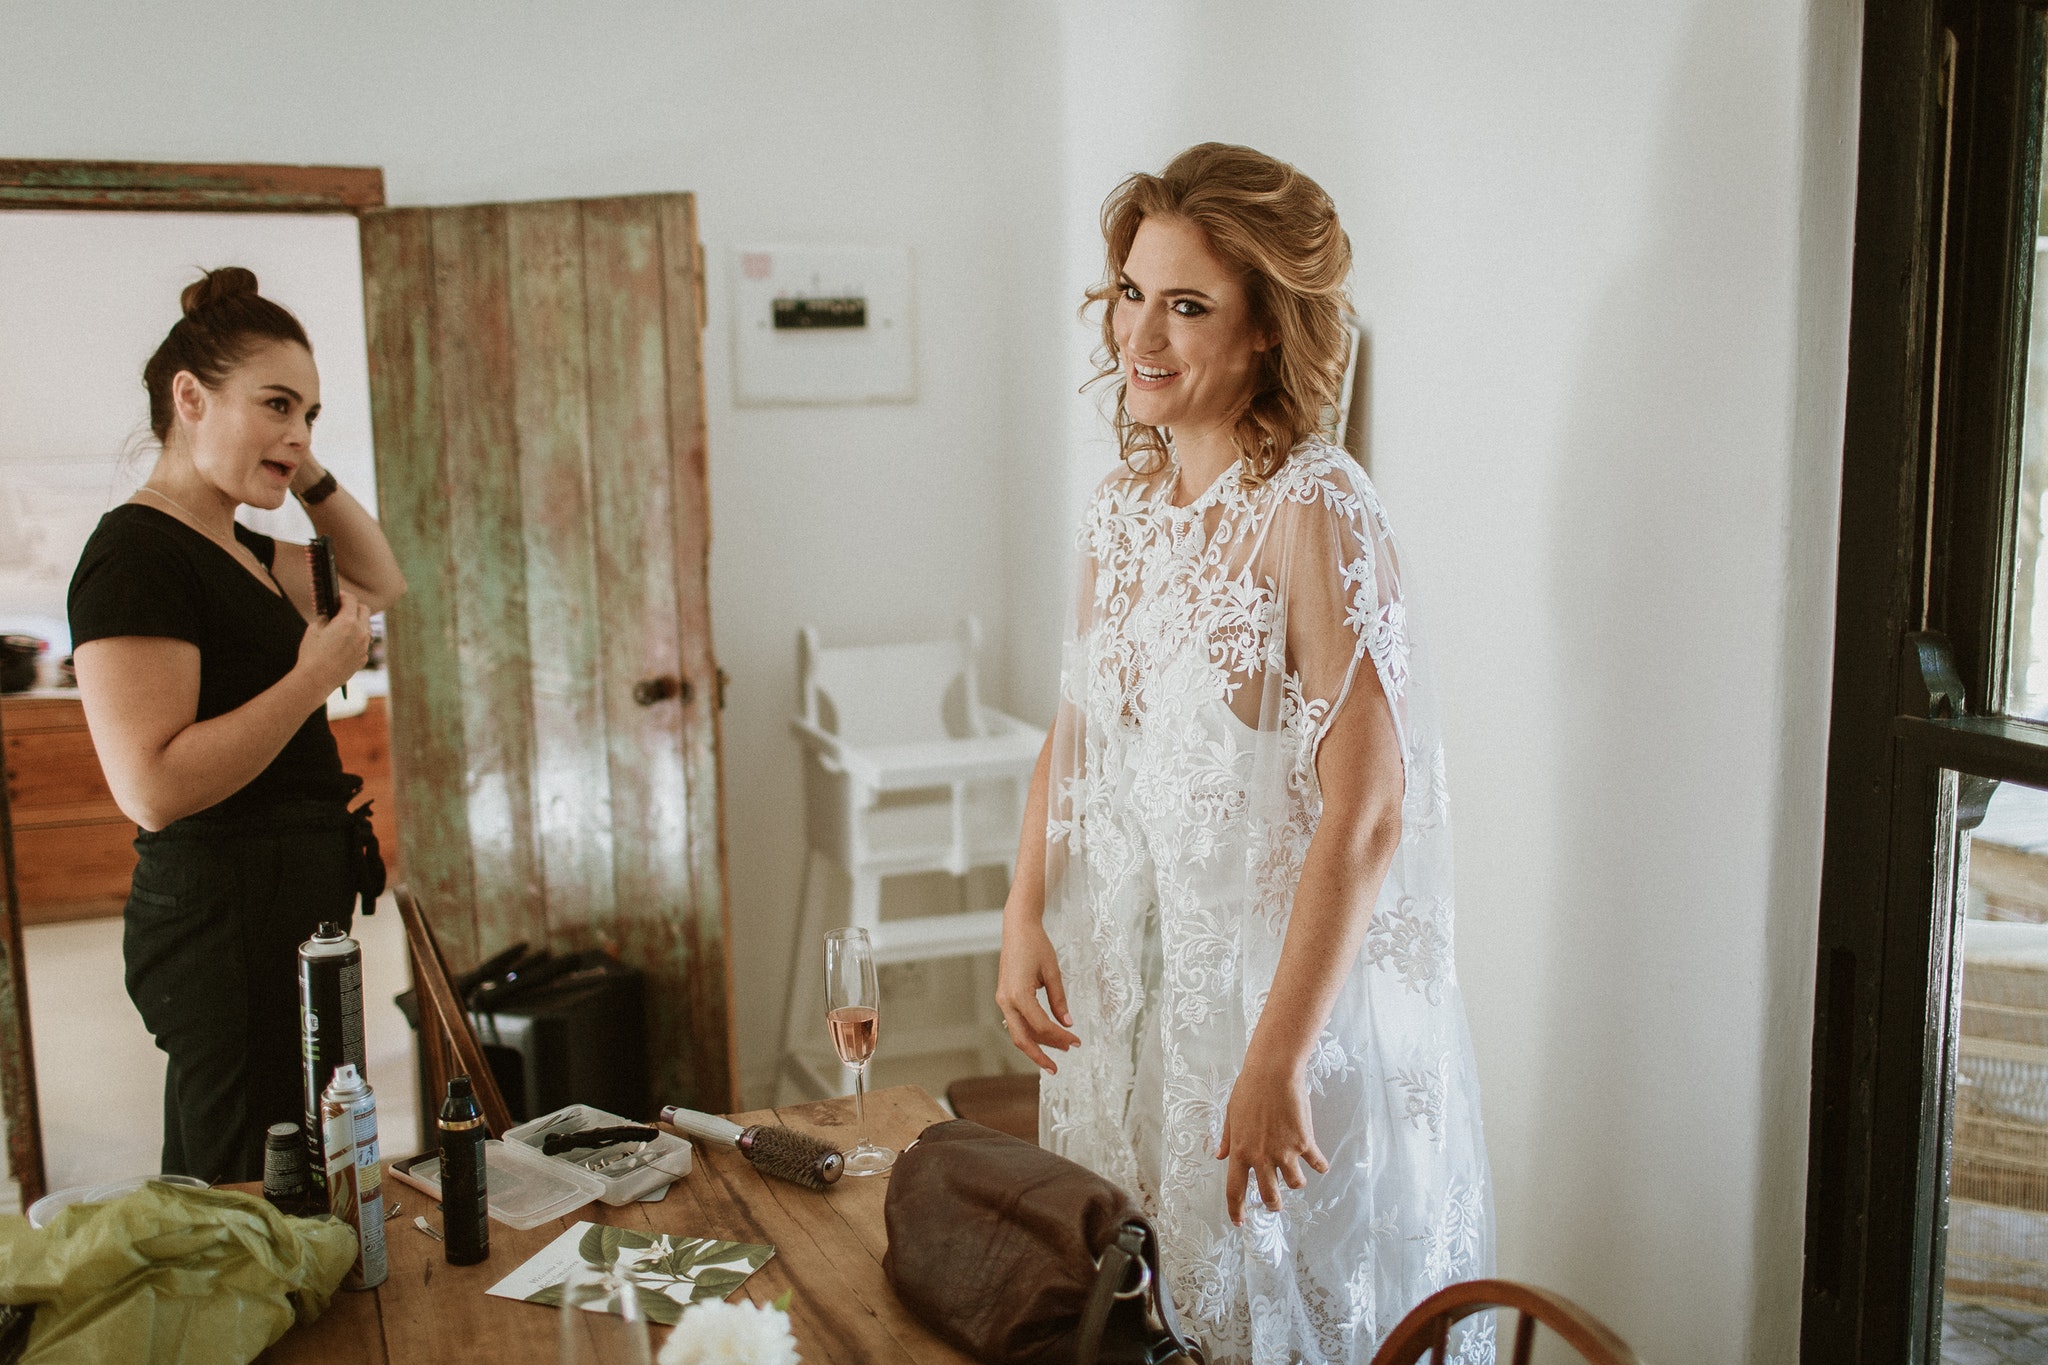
[[465, 1198]]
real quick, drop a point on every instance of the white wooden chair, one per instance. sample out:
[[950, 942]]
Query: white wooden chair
[[906, 771]]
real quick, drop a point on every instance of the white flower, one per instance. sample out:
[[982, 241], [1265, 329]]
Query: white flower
[[716, 1333]]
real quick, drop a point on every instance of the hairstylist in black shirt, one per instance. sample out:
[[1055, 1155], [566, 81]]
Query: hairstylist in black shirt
[[205, 672]]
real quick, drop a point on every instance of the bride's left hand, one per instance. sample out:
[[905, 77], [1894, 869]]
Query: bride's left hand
[[1267, 1135]]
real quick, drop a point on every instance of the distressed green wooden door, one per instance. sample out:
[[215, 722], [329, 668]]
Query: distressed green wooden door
[[537, 389]]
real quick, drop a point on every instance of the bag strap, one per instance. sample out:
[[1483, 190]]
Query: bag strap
[[1133, 1244]]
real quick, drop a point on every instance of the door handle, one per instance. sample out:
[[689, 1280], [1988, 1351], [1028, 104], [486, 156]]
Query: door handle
[[648, 691]]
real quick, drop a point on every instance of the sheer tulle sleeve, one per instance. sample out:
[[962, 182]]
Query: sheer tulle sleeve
[[1342, 586]]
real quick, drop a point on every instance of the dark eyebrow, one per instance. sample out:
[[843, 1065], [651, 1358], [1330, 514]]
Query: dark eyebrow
[[296, 397], [1124, 280]]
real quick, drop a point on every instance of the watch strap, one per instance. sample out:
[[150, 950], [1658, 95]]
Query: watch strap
[[320, 491]]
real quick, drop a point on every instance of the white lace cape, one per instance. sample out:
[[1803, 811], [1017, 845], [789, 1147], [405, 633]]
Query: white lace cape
[[1211, 647]]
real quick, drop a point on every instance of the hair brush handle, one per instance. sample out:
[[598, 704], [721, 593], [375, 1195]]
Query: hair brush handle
[[709, 1127]]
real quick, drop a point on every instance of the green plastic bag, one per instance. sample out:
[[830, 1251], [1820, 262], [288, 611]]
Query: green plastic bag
[[170, 1275]]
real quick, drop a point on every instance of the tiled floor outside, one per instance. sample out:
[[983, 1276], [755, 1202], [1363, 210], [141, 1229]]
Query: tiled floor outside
[[1979, 1334]]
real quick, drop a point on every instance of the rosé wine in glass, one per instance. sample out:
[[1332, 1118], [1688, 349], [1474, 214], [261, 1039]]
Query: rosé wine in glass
[[853, 1002], [854, 1029]]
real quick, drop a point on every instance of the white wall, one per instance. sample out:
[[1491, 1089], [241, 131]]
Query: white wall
[[1603, 253], [85, 299]]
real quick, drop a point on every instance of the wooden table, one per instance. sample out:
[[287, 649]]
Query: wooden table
[[828, 1252]]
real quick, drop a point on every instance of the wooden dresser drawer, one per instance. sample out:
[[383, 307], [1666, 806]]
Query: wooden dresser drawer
[[73, 849], [44, 712], [60, 866], [55, 768]]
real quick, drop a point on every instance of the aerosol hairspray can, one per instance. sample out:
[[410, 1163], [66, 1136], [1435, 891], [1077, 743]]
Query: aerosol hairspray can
[[465, 1194], [330, 1025], [355, 1185]]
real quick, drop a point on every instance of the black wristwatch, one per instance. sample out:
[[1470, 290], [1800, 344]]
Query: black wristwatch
[[320, 491]]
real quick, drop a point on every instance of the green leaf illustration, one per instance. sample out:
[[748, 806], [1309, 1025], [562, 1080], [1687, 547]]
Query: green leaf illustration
[[591, 1248], [685, 1255], [780, 1303], [600, 1245], [656, 1306], [716, 1282], [549, 1296]]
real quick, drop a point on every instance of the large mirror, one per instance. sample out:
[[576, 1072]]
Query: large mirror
[[510, 729]]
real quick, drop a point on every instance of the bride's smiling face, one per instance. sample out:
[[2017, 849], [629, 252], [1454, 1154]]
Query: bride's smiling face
[[1184, 330]]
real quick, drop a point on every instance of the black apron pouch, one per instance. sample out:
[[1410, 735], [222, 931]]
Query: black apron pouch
[[365, 856]]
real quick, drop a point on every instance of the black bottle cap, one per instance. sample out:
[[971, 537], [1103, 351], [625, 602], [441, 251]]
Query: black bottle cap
[[328, 929], [458, 1088]]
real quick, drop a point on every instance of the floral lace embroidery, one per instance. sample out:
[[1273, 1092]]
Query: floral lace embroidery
[[1452, 1246], [1216, 645], [1413, 941], [1424, 1095]]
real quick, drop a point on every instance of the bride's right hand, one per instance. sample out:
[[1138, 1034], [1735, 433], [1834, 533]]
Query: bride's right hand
[[1029, 963]]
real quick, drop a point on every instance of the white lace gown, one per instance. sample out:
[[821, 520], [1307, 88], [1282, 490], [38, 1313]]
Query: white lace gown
[[1212, 647]]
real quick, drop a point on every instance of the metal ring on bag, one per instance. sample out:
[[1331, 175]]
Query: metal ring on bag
[[1144, 1277]]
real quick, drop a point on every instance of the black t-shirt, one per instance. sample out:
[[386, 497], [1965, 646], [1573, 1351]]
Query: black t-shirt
[[144, 572]]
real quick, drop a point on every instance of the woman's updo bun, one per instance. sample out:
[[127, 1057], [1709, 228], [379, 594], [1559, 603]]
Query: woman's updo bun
[[230, 281], [225, 319]]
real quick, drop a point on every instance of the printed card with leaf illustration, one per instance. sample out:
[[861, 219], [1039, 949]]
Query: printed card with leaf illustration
[[665, 1272]]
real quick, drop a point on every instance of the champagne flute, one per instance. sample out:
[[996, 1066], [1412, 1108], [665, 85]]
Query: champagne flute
[[853, 1013], [600, 1321]]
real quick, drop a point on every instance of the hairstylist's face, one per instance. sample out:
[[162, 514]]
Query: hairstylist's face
[[247, 437], [1184, 331]]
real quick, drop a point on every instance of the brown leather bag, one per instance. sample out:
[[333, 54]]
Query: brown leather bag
[[1021, 1257]]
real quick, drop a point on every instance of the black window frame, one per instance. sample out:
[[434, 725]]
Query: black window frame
[[1949, 152]]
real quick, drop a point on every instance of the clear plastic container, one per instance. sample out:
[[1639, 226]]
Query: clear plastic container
[[669, 1156], [50, 1205], [526, 1188]]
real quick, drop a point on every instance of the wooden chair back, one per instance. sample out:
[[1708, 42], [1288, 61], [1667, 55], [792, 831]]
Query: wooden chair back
[[1428, 1327], [447, 1042]]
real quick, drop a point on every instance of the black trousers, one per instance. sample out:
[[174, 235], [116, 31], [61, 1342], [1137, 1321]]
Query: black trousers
[[215, 917]]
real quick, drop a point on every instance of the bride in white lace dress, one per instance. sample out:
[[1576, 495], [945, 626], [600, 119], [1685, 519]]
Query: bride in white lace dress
[[1234, 882]]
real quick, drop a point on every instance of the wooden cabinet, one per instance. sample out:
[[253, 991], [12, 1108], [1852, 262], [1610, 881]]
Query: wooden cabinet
[[74, 850]]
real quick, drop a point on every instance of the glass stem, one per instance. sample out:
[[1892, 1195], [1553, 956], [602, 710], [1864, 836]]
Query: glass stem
[[860, 1118]]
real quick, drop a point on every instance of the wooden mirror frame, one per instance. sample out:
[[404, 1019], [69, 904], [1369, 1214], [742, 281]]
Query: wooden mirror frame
[[152, 187]]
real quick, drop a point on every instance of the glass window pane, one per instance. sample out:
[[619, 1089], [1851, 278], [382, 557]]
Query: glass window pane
[[1995, 1280], [2026, 689]]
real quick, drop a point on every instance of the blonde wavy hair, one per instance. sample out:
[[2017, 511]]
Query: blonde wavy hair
[[1279, 230]]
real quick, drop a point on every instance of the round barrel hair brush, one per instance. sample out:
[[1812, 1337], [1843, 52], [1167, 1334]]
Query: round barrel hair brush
[[781, 1152]]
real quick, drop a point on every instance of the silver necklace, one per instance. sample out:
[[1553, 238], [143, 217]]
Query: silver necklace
[[227, 543]]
